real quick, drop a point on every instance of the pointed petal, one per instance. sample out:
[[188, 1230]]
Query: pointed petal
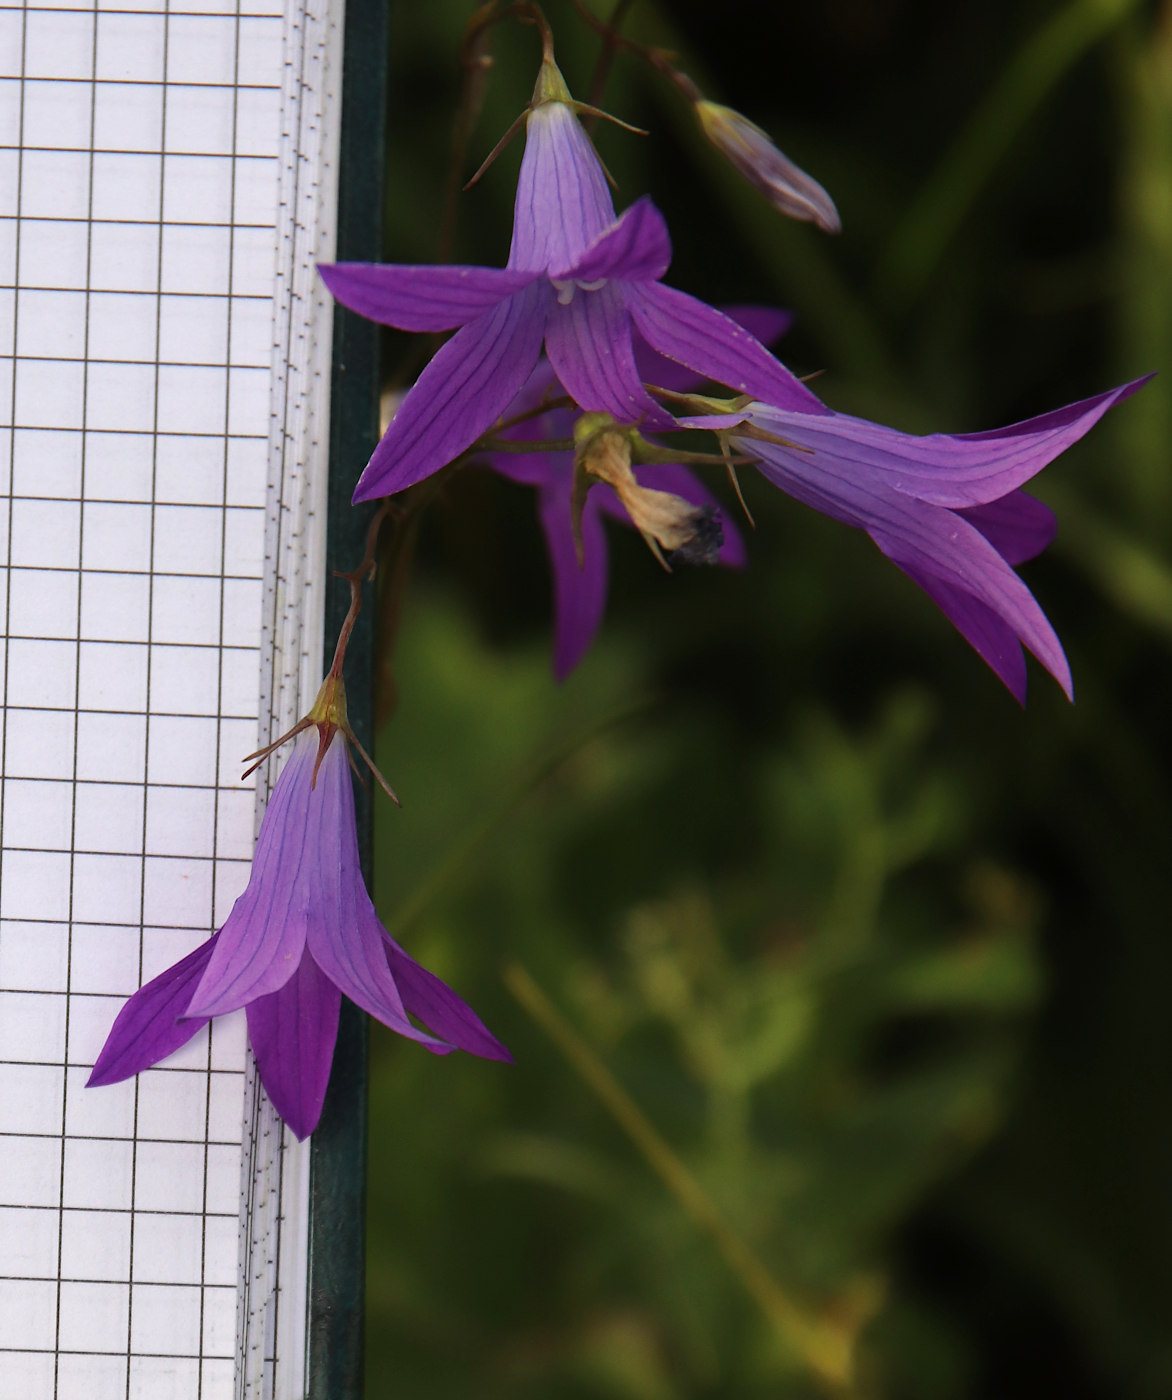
[[680, 481], [589, 347], [262, 940], [344, 936], [993, 640], [420, 298], [579, 594], [636, 246], [1018, 526], [767, 323], [713, 345], [469, 382], [437, 1006], [563, 202], [942, 469], [148, 1029], [292, 1033]]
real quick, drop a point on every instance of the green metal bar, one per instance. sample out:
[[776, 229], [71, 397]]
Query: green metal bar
[[337, 1192]]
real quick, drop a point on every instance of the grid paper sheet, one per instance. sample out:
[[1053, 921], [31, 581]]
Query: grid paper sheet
[[161, 488]]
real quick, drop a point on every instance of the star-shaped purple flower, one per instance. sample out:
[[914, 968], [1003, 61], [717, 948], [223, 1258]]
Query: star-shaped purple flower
[[303, 933], [946, 509], [577, 279]]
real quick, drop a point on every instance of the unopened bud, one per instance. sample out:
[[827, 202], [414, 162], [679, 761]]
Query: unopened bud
[[754, 155]]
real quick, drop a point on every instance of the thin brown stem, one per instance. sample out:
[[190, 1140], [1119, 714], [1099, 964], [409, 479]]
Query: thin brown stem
[[356, 579], [606, 58]]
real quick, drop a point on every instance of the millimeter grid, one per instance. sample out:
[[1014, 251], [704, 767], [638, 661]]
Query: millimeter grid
[[138, 177]]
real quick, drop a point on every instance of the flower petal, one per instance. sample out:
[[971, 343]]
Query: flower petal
[[767, 323], [992, 639], [1018, 526], [563, 202], [262, 940], [944, 469], [292, 1033], [579, 594], [343, 935], [437, 1006], [714, 345], [466, 386], [636, 247], [589, 346], [148, 1028], [420, 298]]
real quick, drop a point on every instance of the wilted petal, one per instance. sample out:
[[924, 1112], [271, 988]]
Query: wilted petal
[[261, 942], [636, 246], [715, 346], [1018, 526], [681, 481], [148, 1028], [589, 346], [344, 936], [465, 388], [437, 1006], [420, 298], [563, 202], [292, 1033]]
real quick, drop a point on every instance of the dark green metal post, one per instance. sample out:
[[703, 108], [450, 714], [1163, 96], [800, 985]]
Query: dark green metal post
[[337, 1222]]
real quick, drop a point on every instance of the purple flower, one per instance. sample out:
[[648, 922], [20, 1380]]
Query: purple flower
[[301, 934], [577, 279], [946, 509], [580, 588]]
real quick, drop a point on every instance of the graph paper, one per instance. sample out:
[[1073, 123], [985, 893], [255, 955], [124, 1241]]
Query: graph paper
[[161, 488]]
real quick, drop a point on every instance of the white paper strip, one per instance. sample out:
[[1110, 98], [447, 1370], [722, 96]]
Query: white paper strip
[[144, 183]]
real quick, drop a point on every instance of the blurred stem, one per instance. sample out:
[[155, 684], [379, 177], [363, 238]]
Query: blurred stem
[[825, 1345], [1136, 580], [606, 58], [920, 239], [452, 869]]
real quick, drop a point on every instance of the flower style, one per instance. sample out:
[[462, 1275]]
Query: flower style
[[303, 933], [578, 279], [947, 510], [580, 586]]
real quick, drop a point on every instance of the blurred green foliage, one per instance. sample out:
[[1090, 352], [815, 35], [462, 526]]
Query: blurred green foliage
[[882, 959]]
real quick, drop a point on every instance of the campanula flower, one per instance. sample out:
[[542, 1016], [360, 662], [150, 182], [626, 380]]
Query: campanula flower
[[303, 933], [580, 583], [579, 280], [946, 509]]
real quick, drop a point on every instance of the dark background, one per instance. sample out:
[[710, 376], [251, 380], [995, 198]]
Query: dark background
[[884, 958]]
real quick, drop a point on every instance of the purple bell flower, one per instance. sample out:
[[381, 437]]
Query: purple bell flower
[[946, 509], [578, 280], [303, 933]]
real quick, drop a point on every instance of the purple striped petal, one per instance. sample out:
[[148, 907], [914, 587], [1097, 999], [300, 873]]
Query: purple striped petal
[[1018, 526], [437, 1006], [262, 940], [293, 1032], [344, 936], [715, 346], [579, 593], [992, 639], [148, 1028], [465, 388], [563, 203], [420, 298], [589, 346], [766, 323], [636, 247], [942, 469]]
